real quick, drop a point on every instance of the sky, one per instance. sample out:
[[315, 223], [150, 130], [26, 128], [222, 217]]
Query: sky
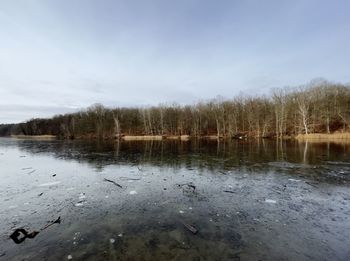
[[59, 56]]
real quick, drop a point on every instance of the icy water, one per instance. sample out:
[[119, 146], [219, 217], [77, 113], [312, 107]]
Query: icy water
[[243, 200]]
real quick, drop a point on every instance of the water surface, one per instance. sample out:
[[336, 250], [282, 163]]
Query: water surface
[[249, 200]]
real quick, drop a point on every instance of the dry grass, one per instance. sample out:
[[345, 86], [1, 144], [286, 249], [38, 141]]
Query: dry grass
[[184, 137], [172, 137], [156, 137], [143, 137], [211, 137], [177, 137], [324, 137]]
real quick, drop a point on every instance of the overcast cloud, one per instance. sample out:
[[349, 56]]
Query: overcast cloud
[[59, 56]]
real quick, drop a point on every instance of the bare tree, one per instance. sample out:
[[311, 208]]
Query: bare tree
[[303, 101]]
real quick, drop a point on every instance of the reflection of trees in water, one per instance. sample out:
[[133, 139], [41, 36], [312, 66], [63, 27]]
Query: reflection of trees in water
[[208, 154], [305, 152]]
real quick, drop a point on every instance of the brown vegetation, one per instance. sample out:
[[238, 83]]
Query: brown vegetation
[[319, 107], [142, 137], [324, 136]]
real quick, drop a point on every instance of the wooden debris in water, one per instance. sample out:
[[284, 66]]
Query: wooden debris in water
[[190, 185], [190, 228], [57, 221], [20, 234], [115, 183], [229, 191]]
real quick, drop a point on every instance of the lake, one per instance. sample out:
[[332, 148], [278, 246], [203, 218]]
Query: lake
[[173, 200]]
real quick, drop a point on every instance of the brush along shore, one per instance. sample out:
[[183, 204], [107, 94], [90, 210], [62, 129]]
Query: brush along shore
[[324, 136]]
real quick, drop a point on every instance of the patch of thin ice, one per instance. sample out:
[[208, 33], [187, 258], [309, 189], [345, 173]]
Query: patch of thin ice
[[49, 184]]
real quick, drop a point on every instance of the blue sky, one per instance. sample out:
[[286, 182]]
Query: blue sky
[[59, 56]]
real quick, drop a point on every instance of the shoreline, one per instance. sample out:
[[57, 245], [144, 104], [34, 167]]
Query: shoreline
[[312, 137], [35, 137], [324, 136]]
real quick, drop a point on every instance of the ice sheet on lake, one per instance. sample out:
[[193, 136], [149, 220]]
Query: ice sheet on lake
[[49, 184], [288, 165]]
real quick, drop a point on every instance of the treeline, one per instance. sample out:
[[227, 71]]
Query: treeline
[[318, 107]]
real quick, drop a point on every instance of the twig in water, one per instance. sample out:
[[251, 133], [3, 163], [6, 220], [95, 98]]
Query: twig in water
[[191, 228], [311, 184], [57, 221], [187, 184], [229, 191], [115, 183]]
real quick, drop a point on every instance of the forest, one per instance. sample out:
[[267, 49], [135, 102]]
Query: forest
[[318, 107]]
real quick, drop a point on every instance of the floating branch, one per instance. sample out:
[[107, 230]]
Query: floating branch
[[115, 183]]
